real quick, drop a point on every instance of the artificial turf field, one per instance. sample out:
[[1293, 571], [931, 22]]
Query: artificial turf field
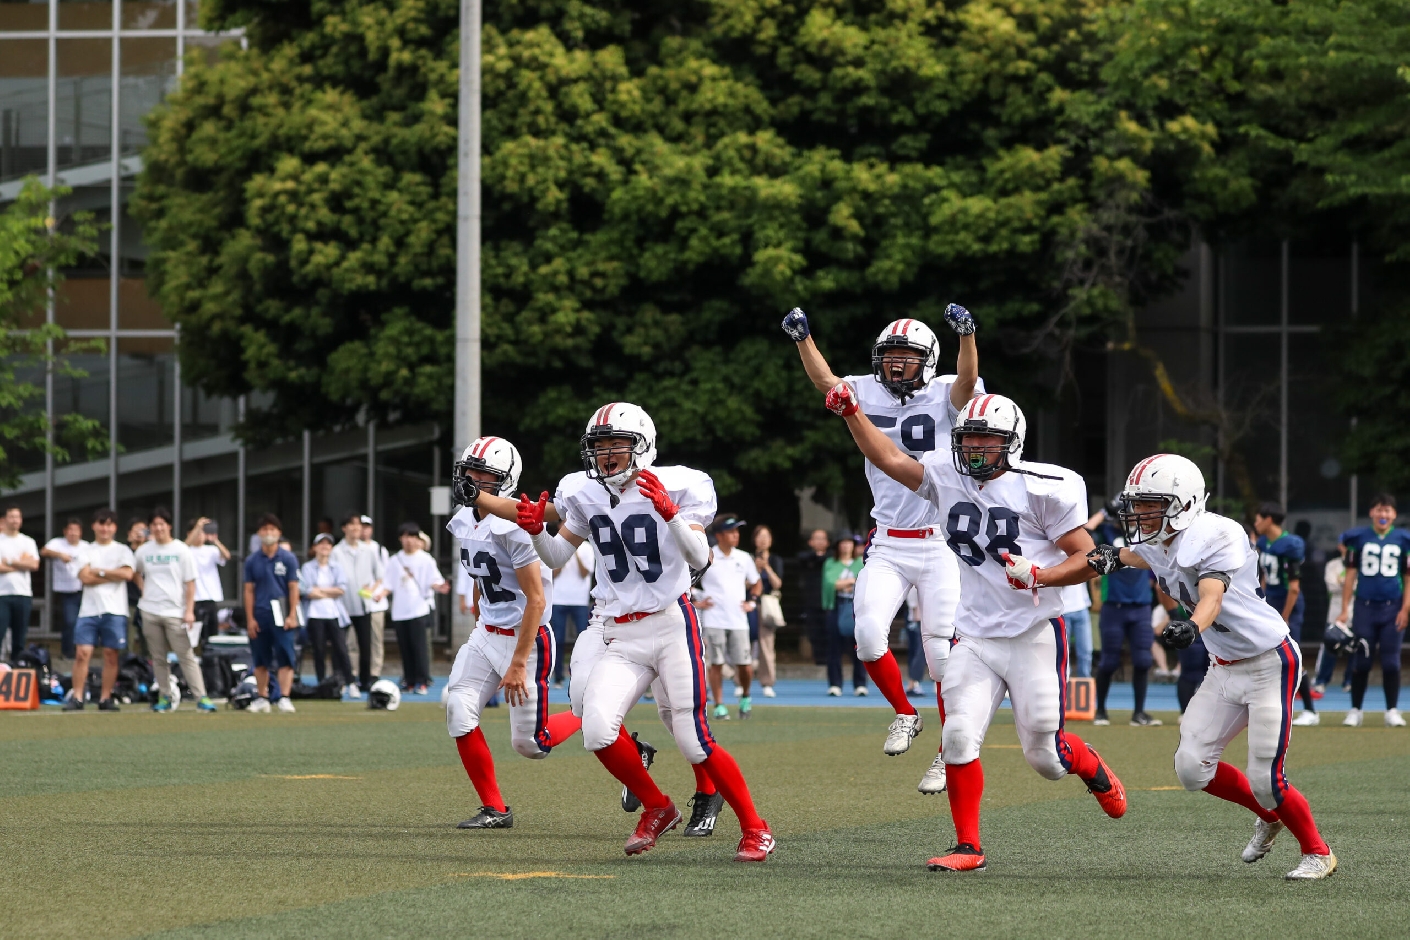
[[339, 822]]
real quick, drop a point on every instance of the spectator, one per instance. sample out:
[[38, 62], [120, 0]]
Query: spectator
[[136, 535], [377, 602], [839, 583], [723, 600], [810, 582], [1076, 607], [325, 526], [411, 577], [326, 585], [769, 616], [271, 599], [572, 600], [1124, 617], [210, 555], [915, 648], [1334, 575], [362, 566], [19, 557], [102, 617], [165, 573], [64, 586]]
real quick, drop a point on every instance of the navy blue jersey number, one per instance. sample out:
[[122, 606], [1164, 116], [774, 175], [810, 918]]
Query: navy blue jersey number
[[963, 527], [918, 433], [484, 569], [638, 537]]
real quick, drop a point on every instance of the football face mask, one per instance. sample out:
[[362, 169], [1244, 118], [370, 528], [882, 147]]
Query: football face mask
[[1143, 519], [980, 455], [609, 457]]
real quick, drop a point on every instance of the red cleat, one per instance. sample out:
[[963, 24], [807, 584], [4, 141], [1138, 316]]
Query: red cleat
[[755, 845], [1113, 799], [963, 857], [654, 824], [1317, 693]]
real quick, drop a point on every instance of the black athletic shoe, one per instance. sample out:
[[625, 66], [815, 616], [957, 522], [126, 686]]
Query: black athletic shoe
[[488, 818], [705, 810], [630, 803], [72, 704], [108, 705], [1142, 720], [1100, 718]]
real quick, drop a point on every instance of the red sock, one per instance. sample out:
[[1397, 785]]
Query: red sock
[[1080, 759], [1297, 816], [479, 765], [561, 727], [965, 784], [703, 783], [623, 761], [887, 675], [940, 701], [1230, 784], [726, 774]]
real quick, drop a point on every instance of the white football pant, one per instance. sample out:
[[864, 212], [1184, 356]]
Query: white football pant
[[480, 667], [587, 650], [893, 566]]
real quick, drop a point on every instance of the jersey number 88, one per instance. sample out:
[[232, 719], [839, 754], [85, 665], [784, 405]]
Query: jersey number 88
[[964, 523]]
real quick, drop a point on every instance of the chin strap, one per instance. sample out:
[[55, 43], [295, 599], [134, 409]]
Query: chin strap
[[1030, 473]]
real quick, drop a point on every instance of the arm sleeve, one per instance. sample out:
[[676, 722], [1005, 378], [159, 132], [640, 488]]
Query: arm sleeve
[[391, 575], [553, 550], [692, 542]]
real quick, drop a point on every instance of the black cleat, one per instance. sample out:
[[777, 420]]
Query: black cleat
[[488, 818], [72, 704], [705, 810], [1142, 720], [108, 705], [630, 803]]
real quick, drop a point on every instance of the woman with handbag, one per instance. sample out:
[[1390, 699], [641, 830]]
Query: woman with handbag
[[839, 584], [769, 614]]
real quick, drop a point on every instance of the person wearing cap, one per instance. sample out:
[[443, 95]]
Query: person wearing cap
[[325, 585], [271, 594], [728, 592], [411, 577], [362, 565]]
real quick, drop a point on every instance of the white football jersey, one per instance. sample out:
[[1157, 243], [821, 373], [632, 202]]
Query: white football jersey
[[1247, 625], [1016, 512], [921, 426], [491, 551], [639, 567]]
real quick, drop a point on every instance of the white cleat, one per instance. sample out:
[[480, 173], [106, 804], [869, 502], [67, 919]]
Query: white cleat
[[902, 731], [769, 692], [1262, 842], [1307, 719], [286, 706], [1352, 719], [1313, 868], [934, 779], [260, 705], [1393, 719]]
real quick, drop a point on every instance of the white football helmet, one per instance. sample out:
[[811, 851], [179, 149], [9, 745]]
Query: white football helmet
[[905, 334], [619, 419], [1175, 482], [493, 455], [384, 694], [988, 414]]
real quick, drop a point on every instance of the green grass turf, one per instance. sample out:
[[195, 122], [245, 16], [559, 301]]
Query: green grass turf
[[215, 826]]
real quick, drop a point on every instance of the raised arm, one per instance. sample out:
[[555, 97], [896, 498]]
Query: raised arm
[[967, 363], [508, 509], [796, 326], [874, 445]]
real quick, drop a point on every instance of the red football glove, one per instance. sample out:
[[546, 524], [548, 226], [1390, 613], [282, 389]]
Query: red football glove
[[653, 489], [531, 513], [841, 400]]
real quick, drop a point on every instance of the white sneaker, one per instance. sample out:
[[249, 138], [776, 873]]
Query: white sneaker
[[1307, 719], [860, 691], [260, 705], [1262, 842], [834, 690], [739, 691], [353, 691], [285, 705], [934, 779], [769, 692], [1393, 719], [1352, 719], [902, 731], [1313, 868]]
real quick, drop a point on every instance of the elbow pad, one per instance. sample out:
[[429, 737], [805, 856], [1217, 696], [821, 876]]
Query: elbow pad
[[692, 542], [553, 550]]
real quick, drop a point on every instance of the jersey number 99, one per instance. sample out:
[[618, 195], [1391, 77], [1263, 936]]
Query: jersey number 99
[[637, 538]]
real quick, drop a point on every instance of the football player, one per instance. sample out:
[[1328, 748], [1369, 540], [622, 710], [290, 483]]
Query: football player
[[913, 408], [1206, 563], [1280, 557], [647, 528], [1377, 557], [998, 512]]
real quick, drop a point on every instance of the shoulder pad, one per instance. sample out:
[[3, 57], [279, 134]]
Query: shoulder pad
[[1209, 534], [462, 523], [571, 485], [681, 478], [500, 526]]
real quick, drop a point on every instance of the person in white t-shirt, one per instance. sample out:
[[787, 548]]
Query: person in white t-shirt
[[325, 589], [210, 555], [166, 576], [107, 567], [412, 575], [728, 591], [376, 604], [19, 558], [64, 585], [572, 600]]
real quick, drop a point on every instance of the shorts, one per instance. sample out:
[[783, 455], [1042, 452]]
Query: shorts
[[273, 647], [106, 630], [727, 646]]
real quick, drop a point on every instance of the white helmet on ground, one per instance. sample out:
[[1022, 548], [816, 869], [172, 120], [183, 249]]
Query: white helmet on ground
[[988, 414], [384, 694], [492, 455], [905, 334], [619, 419], [1169, 479]]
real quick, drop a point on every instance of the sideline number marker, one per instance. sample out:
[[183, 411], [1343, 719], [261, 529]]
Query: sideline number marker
[[19, 689]]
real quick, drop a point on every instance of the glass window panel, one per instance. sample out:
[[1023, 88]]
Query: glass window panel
[[85, 14], [82, 302], [1319, 282], [1251, 286], [22, 15], [145, 394], [212, 47], [203, 416], [84, 114], [148, 73], [24, 107], [84, 393], [151, 14]]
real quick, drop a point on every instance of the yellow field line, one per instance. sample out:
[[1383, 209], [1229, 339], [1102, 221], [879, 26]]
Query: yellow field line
[[310, 777], [1161, 788], [520, 875]]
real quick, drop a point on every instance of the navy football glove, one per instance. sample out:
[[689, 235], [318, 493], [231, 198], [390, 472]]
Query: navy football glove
[[796, 325], [959, 319], [1104, 559]]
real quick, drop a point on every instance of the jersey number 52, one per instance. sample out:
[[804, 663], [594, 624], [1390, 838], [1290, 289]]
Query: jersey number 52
[[485, 569], [963, 526]]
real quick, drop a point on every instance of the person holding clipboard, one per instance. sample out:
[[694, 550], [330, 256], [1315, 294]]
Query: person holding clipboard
[[271, 612]]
